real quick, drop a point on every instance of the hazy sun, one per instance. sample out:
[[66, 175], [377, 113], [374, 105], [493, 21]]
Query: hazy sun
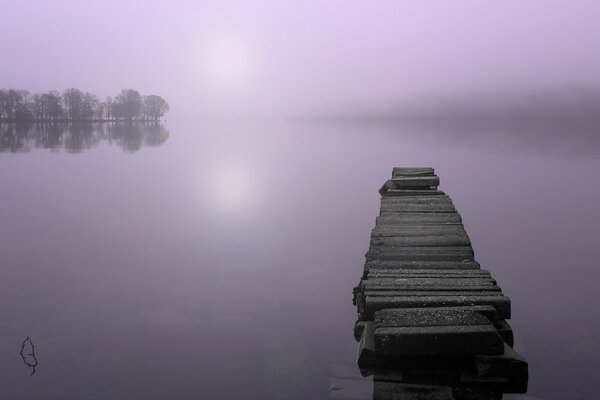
[[227, 60], [233, 189]]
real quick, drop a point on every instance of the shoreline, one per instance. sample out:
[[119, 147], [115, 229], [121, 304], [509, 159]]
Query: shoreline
[[46, 121]]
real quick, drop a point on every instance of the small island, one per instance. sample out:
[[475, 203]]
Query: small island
[[74, 105]]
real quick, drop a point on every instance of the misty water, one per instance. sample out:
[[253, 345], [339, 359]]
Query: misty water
[[217, 260]]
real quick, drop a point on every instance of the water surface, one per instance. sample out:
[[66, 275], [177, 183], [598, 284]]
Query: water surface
[[219, 264]]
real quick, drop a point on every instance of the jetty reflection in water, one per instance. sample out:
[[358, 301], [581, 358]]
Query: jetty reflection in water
[[77, 137], [422, 378]]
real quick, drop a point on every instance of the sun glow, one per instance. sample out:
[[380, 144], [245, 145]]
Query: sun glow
[[231, 189], [227, 61]]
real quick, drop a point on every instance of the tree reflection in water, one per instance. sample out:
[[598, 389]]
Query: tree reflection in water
[[77, 137]]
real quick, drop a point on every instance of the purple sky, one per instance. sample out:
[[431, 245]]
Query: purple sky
[[273, 56]]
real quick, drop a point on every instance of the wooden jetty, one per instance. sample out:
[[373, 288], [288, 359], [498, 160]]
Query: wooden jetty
[[424, 302]]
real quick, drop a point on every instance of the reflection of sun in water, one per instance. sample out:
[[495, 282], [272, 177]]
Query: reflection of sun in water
[[232, 190], [227, 61]]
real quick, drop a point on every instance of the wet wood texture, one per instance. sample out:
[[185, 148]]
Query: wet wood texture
[[422, 293]]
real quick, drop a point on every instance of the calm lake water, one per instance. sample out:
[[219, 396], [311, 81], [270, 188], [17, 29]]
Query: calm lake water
[[217, 261]]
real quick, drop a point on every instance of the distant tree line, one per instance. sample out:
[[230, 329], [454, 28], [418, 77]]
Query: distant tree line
[[76, 105], [78, 137]]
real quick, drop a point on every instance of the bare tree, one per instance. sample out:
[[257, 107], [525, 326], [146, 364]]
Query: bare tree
[[54, 106], [76, 105], [155, 107], [129, 103], [73, 99]]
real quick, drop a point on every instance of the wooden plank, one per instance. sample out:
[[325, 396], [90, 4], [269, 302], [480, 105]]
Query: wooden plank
[[366, 346], [412, 171], [458, 253], [420, 241], [414, 182], [487, 311], [421, 265], [410, 182], [417, 230], [442, 199], [415, 317], [359, 326], [409, 192], [506, 332], [418, 218], [432, 290], [418, 207], [448, 290], [433, 273], [509, 364], [424, 292], [376, 303], [425, 282], [375, 275], [469, 339], [434, 332]]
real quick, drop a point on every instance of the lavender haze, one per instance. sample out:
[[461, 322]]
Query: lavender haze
[[271, 57], [213, 256]]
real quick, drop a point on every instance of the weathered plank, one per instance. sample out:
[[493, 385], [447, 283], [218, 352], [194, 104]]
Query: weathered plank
[[429, 273], [376, 303], [421, 265], [420, 241], [417, 230], [392, 276], [442, 199], [412, 171], [400, 283], [418, 218], [408, 291], [505, 331], [420, 270], [417, 207], [402, 193], [509, 364], [410, 182], [359, 326], [430, 292], [411, 192], [366, 345], [435, 332], [457, 253], [414, 182]]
